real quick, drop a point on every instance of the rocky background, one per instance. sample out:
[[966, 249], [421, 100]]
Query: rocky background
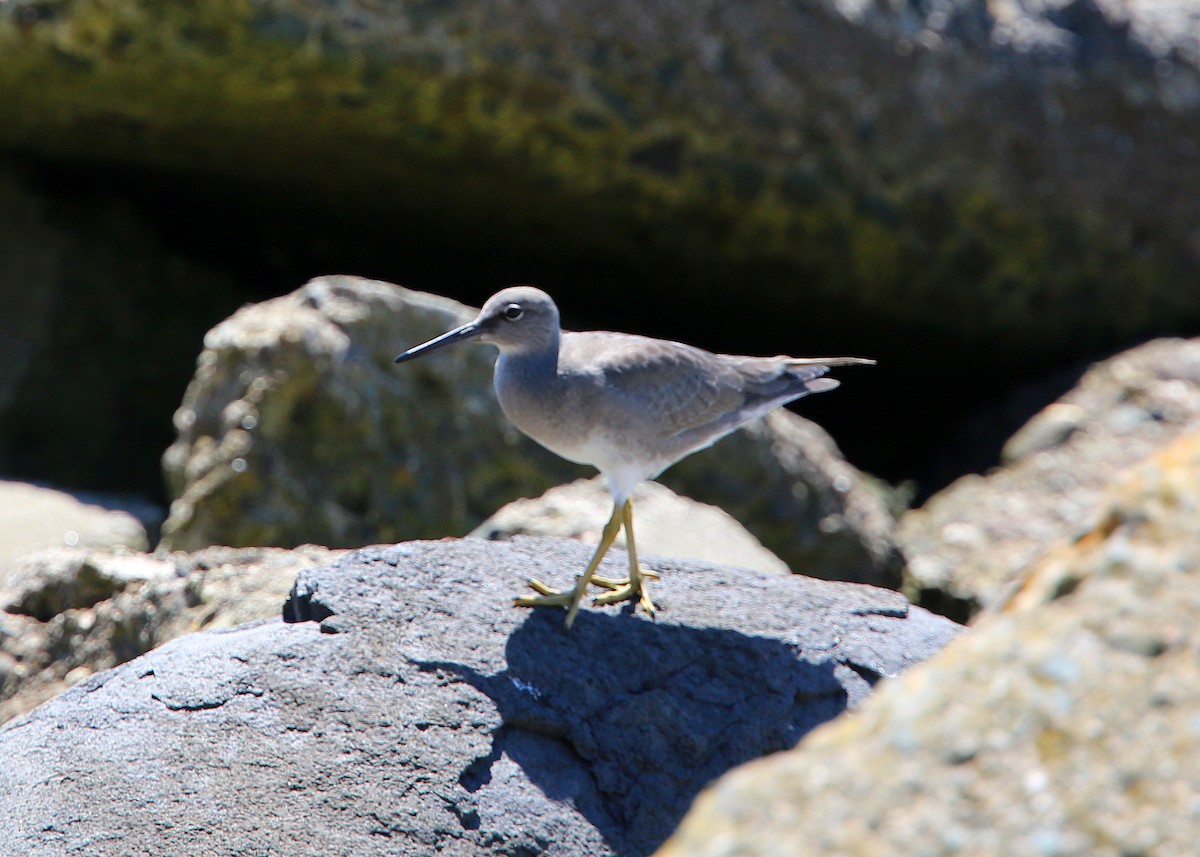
[[198, 421]]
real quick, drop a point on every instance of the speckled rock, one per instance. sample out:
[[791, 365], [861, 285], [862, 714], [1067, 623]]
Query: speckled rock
[[67, 614], [1064, 723], [1009, 174], [968, 545], [299, 428], [785, 480], [410, 709], [36, 517], [665, 524]]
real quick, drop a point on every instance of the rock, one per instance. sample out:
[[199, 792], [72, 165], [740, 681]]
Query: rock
[[968, 545], [37, 517], [665, 524], [1064, 723], [44, 585], [1007, 184], [410, 708], [69, 613], [640, 139], [784, 478], [299, 428]]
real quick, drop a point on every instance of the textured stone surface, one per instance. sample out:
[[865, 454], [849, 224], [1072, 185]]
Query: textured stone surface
[[785, 480], [418, 712], [67, 614], [1064, 723], [967, 546], [34, 518], [1011, 174], [665, 524], [299, 428]]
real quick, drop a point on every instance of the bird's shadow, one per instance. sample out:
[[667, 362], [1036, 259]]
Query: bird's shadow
[[628, 719]]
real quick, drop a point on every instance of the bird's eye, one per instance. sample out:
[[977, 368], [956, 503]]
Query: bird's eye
[[513, 312]]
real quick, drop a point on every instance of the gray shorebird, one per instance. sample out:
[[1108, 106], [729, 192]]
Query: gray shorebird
[[630, 406]]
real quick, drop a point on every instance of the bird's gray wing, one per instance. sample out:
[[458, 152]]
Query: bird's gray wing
[[683, 388]]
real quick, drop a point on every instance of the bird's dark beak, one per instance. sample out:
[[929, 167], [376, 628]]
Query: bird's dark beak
[[467, 331]]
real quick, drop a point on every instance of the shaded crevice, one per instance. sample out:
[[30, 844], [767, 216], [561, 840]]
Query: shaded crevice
[[300, 607], [867, 674], [957, 608], [200, 705], [479, 772], [206, 704], [900, 612]]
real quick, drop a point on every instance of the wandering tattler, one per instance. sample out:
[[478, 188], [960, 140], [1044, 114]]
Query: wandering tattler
[[629, 405]]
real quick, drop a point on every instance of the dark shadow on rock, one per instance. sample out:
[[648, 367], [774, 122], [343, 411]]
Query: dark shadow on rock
[[628, 719]]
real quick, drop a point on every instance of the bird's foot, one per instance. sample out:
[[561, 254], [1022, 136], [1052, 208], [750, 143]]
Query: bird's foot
[[547, 596], [626, 590], [618, 582]]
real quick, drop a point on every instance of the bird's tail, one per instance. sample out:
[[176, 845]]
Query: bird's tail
[[830, 361]]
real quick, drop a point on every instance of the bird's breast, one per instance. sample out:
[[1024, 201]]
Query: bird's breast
[[540, 405]]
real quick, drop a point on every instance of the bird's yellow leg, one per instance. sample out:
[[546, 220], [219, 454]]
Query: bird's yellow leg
[[634, 586], [550, 597]]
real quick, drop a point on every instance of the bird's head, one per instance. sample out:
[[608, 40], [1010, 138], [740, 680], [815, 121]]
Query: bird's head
[[517, 320]]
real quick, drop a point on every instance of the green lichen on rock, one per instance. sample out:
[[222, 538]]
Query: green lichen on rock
[[723, 148]]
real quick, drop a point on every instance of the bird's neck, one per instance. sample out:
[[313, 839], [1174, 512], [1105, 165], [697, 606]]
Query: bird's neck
[[530, 364], [528, 387]]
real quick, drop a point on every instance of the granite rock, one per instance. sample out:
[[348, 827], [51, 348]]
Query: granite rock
[[298, 428], [1064, 722], [665, 524], [968, 545], [69, 613], [36, 517], [407, 707]]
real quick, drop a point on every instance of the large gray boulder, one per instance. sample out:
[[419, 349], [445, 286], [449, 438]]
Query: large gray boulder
[[408, 708], [297, 428], [36, 517], [969, 544], [69, 613], [1064, 723]]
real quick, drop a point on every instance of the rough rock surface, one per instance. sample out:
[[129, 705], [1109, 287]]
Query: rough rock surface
[[34, 518], [1064, 723], [1008, 183], [418, 712], [784, 478], [1013, 175], [665, 524], [66, 614], [967, 546], [299, 428]]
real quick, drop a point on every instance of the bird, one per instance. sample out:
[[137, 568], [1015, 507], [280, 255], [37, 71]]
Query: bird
[[629, 405]]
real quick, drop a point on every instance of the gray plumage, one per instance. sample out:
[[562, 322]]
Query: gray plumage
[[631, 406]]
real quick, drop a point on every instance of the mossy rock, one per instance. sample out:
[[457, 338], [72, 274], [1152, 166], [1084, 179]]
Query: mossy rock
[[919, 185]]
